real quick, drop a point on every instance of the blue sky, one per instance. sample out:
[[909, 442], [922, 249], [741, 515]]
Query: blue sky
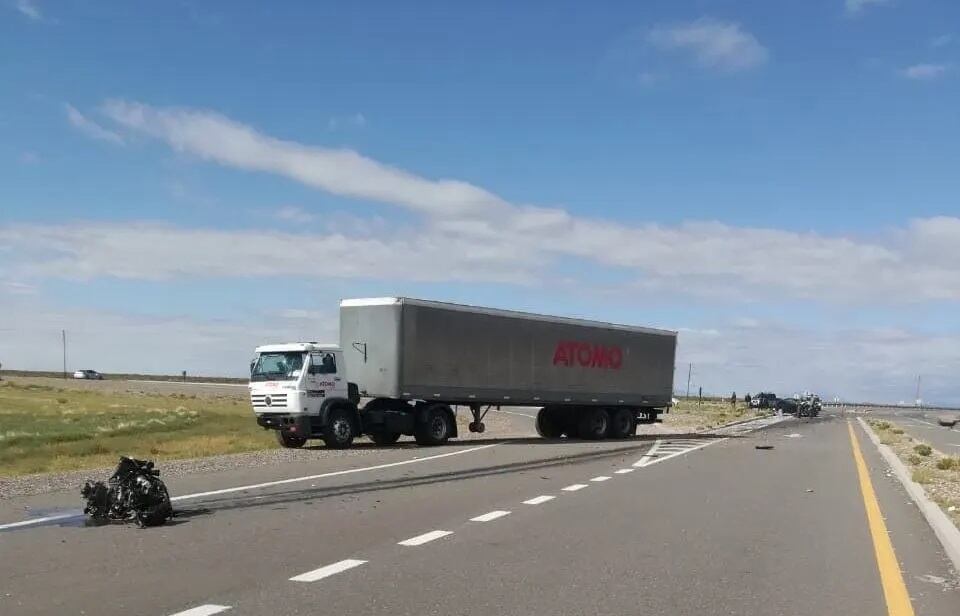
[[775, 180]]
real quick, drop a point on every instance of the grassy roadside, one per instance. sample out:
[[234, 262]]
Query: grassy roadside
[[45, 428], [687, 414], [938, 473]]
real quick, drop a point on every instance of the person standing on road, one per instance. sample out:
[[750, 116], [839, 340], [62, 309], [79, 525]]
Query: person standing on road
[[733, 399]]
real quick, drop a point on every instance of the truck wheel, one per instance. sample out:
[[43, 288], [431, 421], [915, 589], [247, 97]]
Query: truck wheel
[[290, 441], [594, 424], [384, 438], [623, 423], [436, 425], [338, 433], [548, 423]]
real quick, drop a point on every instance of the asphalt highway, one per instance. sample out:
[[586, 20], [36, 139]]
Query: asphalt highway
[[923, 424], [685, 524]]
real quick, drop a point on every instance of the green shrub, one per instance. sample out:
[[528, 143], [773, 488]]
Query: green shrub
[[62, 400], [897, 430], [922, 475], [914, 459], [945, 464], [923, 450]]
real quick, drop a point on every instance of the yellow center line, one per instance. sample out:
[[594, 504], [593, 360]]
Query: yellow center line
[[894, 589]]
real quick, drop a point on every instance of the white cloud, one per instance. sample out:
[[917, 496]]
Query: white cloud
[[469, 232], [343, 172], [90, 128], [924, 72], [102, 340], [941, 41], [715, 44], [160, 252], [293, 213], [30, 9], [857, 6], [866, 364]]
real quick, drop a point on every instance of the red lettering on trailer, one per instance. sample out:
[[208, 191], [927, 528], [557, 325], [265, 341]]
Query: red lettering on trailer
[[572, 353]]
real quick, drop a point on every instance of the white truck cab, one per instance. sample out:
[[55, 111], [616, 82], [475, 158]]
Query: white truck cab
[[293, 386]]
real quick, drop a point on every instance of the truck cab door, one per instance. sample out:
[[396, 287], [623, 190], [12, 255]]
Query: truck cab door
[[323, 378]]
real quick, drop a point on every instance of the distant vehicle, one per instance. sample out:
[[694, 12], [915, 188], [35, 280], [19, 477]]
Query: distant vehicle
[[787, 406], [764, 401], [92, 375], [416, 360]]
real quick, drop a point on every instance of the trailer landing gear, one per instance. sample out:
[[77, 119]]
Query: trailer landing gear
[[478, 414]]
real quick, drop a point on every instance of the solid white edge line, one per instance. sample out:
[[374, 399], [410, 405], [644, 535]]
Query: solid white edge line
[[602, 478], [327, 571], [256, 486], [943, 527], [425, 538], [487, 517], [575, 487], [624, 471], [203, 610], [43, 520], [539, 499]]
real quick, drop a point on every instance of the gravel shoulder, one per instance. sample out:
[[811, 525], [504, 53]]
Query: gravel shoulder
[[938, 473]]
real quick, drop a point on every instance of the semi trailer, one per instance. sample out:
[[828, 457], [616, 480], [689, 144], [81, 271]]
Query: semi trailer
[[407, 366]]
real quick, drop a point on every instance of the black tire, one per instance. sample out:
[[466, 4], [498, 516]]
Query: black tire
[[549, 424], [340, 428], [594, 424], [290, 441], [623, 423], [384, 438], [436, 425]]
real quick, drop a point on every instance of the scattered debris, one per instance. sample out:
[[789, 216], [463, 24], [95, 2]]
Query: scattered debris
[[951, 508], [809, 489], [763, 446], [794, 435], [133, 493]]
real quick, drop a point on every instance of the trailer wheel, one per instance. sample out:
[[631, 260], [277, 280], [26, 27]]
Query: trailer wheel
[[594, 424], [384, 438], [290, 441], [623, 423], [435, 425], [548, 423], [338, 433]]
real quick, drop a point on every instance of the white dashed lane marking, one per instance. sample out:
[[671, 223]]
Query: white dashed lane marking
[[575, 487], [203, 610], [487, 517], [425, 537], [624, 471], [322, 572], [538, 500], [601, 478]]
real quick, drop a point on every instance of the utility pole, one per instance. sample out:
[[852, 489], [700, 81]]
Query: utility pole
[[63, 335], [689, 372]]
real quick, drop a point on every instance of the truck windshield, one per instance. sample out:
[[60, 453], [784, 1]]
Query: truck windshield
[[277, 366]]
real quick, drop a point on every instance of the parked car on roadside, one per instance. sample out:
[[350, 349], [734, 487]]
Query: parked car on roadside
[[763, 401], [88, 374]]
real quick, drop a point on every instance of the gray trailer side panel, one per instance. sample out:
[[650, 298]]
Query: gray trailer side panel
[[370, 337], [461, 354]]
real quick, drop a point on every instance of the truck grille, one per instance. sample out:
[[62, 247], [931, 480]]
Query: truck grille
[[268, 401]]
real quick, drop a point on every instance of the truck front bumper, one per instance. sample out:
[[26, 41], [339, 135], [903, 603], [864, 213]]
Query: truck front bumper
[[295, 424]]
